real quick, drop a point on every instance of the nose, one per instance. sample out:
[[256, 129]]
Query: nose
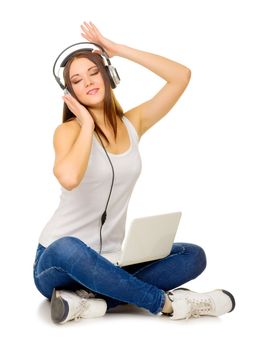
[[87, 81]]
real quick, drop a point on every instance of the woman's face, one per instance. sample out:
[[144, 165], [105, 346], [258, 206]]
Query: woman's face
[[87, 82]]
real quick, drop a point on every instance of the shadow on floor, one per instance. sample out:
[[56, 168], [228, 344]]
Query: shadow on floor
[[128, 310]]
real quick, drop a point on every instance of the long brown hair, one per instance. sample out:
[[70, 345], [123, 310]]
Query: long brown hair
[[111, 107]]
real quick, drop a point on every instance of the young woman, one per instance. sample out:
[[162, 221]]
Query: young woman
[[70, 269]]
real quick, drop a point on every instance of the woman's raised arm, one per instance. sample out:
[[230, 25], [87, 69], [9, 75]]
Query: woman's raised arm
[[176, 76]]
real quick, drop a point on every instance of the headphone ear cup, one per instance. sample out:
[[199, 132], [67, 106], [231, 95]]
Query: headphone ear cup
[[113, 85], [113, 76]]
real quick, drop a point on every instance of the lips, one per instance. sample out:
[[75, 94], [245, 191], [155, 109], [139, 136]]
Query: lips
[[92, 91]]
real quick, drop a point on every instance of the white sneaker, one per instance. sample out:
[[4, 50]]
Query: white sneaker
[[186, 303], [68, 305]]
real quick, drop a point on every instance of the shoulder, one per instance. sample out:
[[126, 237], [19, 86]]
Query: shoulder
[[69, 126], [67, 130]]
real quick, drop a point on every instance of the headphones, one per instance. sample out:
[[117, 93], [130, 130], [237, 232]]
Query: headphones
[[71, 50], [59, 63]]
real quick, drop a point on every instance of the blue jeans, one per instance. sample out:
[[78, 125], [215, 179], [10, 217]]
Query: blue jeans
[[68, 263]]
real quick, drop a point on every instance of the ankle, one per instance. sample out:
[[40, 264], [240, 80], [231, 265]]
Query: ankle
[[167, 308]]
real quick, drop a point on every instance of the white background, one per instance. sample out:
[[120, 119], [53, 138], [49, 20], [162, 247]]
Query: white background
[[203, 158]]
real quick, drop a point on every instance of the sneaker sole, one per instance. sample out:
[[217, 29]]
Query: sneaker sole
[[59, 308], [231, 298], [225, 292]]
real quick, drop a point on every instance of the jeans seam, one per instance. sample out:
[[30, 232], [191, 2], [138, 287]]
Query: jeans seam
[[162, 302], [49, 268], [154, 262]]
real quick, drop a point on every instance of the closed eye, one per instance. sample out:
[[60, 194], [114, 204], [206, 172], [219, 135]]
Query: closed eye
[[95, 72]]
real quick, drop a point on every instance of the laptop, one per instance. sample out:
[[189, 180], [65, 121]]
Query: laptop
[[148, 238]]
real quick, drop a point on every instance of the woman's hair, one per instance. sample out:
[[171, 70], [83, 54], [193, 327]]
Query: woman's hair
[[111, 108]]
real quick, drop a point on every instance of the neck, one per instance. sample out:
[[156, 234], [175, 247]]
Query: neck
[[98, 114]]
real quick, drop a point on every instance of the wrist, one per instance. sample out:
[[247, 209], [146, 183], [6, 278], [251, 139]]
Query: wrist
[[88, 126], [117, 49]]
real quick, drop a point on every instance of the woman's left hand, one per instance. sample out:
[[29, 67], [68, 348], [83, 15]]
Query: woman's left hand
[[91, 33]]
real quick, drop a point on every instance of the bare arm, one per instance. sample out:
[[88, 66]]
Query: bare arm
[[72, 151], [176, 76], [72, 144]]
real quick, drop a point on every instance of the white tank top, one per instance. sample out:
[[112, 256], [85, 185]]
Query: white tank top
[[80, 210]]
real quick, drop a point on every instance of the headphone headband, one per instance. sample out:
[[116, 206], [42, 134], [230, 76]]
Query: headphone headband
[[70, 51]]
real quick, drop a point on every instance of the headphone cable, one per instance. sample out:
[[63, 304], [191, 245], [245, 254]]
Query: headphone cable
[[104, 215]]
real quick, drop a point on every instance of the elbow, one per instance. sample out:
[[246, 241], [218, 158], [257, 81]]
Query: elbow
[[187, 76], [69, 186], [184, 78], [67, 181]]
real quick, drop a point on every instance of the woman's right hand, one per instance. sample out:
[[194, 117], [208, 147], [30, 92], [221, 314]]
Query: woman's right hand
[[82, 114], [91, 33]]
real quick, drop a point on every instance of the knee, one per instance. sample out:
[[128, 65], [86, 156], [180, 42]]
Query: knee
[[199, 258], [65, 250], [68, 244]]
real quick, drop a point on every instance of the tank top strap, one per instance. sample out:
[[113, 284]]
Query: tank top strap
[[132, 131]]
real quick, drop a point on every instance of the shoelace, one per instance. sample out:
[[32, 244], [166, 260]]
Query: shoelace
[[199, 307], [83, 303], [84, 294], [82, 307]]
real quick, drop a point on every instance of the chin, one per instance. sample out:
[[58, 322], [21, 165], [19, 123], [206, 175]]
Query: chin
[[94, 104]]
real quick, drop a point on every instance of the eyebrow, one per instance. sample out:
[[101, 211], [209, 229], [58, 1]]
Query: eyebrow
[[77, 74]]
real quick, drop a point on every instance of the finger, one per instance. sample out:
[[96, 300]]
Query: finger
[[93, 26], [67, 102], [84, 36], [87, 35], [88, 26], [70, 102], [79, 120], [85, 31], [92, 29], [84, 28], [96, 30]]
